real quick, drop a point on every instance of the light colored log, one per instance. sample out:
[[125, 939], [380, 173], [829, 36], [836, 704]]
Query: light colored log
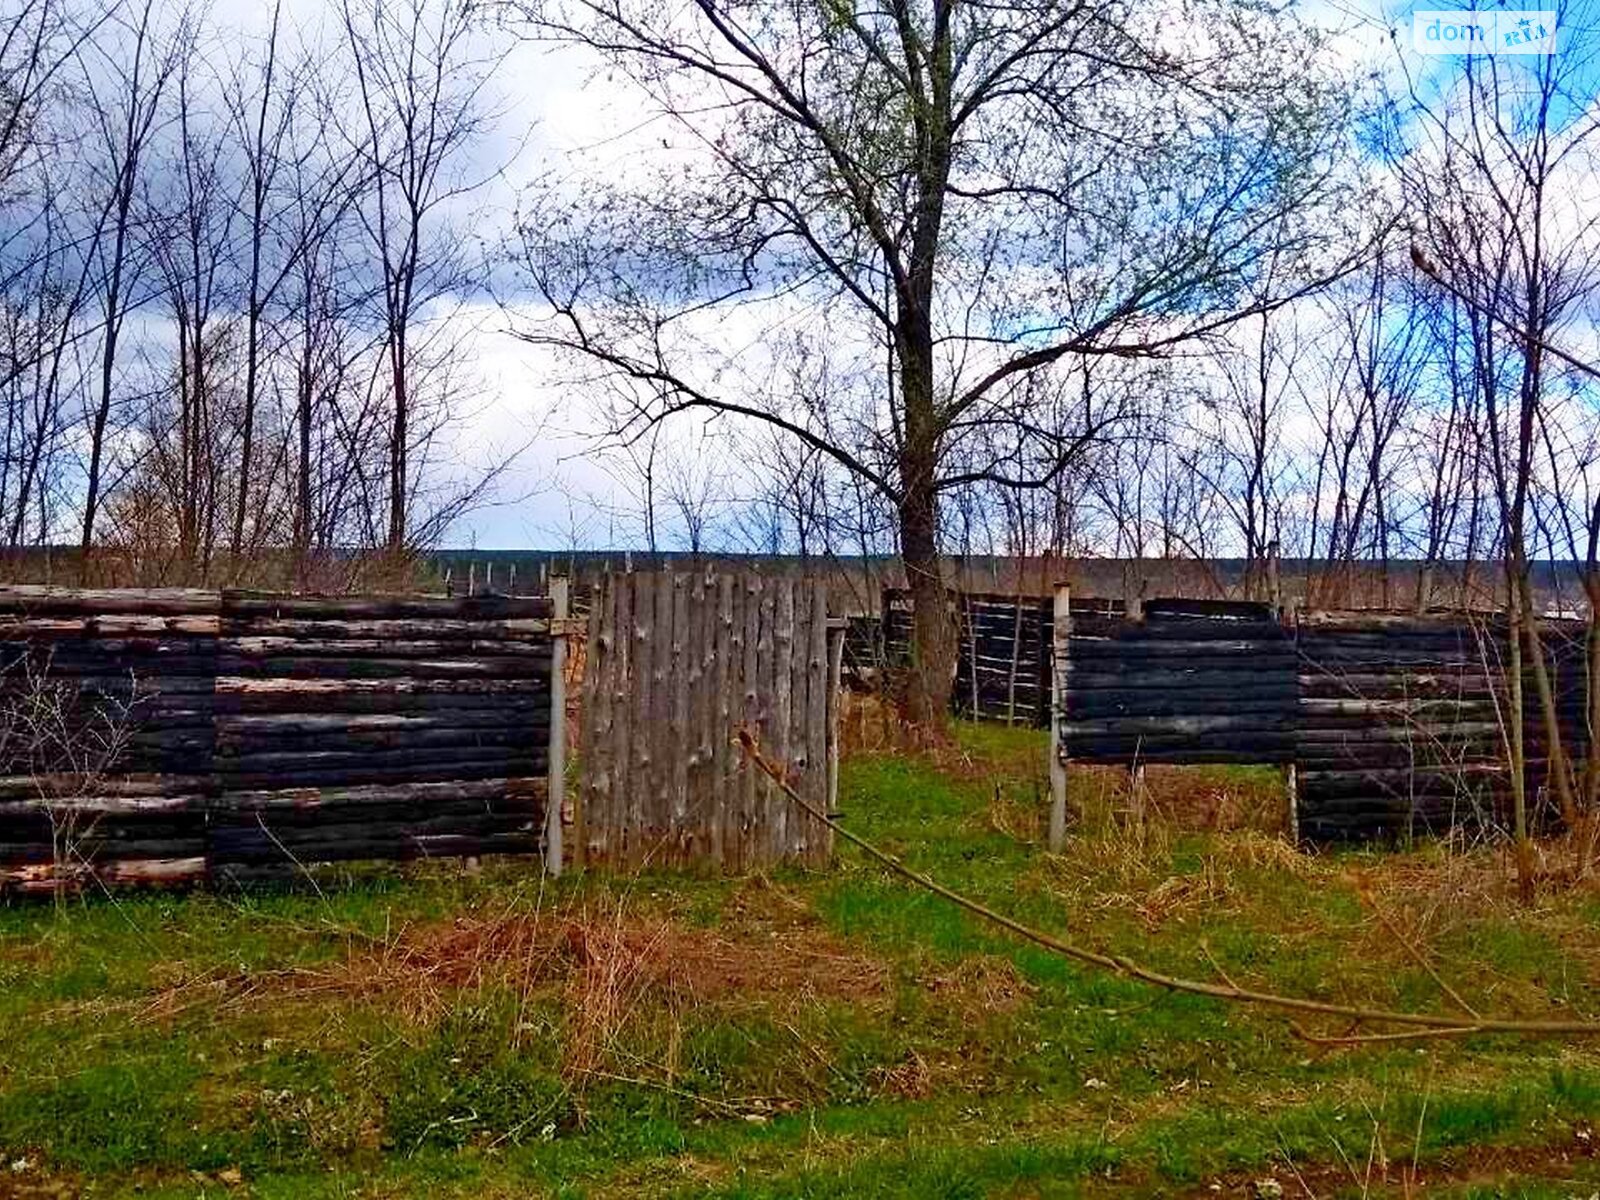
[[515, 791], [489, 628], [175, 602], [43, 878], [557, 758], [16, 626], [676, 776], [780, 732], [728, 657], [313, 689], [750, 688]]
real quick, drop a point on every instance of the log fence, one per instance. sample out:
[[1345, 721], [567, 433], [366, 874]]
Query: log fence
[[181, 734], [173, 734], [1384, 722]]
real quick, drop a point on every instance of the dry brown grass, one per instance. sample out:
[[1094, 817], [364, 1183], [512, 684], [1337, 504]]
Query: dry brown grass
[[978, 986], [603, 956]]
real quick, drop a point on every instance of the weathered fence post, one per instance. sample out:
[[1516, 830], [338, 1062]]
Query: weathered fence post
[[836, 636], [1133, 609], [1291, 769], [1060, 637], [557, 791]]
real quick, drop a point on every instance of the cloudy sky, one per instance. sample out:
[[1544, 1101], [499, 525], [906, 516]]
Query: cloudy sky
[[560, 487]]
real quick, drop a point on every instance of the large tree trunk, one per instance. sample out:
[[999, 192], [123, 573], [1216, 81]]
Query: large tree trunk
[[933, 649], [933, 634]]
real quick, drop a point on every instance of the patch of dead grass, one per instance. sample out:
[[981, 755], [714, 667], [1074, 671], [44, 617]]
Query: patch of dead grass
[[979, 985], [588, 952]]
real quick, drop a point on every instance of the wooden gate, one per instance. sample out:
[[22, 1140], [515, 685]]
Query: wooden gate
[[675, 664]]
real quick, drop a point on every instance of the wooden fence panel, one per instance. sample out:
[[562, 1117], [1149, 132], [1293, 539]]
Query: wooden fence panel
[[108, 732], [380, 727], [1187, 684], [1394, 722], [710, 652], [1400, 724], [263, 732], [1003, 663]]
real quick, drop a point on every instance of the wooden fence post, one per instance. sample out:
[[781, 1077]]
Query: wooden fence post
[[557, 790], [1274, 577], [1133, 610], [1291, 791], [1062, 632], [836, 636]]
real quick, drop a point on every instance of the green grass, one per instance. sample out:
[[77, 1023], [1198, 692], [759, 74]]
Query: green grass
[[821, 1034]]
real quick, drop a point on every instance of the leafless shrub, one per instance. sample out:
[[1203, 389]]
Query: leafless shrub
[[59, 746]]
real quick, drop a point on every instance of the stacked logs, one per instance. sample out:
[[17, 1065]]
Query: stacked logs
[[1194, 682], [254, 734], [1394, 720], [106, 734], [1401, 723], [379, 727]]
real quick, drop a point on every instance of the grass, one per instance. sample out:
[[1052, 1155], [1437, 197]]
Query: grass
[[425, 1033]]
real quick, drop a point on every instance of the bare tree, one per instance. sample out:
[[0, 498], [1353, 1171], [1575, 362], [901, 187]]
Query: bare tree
[[930, 173], [1493, 178], [125, 88], [1371, 366], [421, 80]]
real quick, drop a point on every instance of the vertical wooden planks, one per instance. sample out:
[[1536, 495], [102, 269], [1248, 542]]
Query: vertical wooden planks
[[617, 832], [755, 598], [778, 741], [734, 712], [819, 758], [720, 728], [684, 663], [591, 742], [689, 659], [697, 778], [644, 677], [660, 724], [759, 821]]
